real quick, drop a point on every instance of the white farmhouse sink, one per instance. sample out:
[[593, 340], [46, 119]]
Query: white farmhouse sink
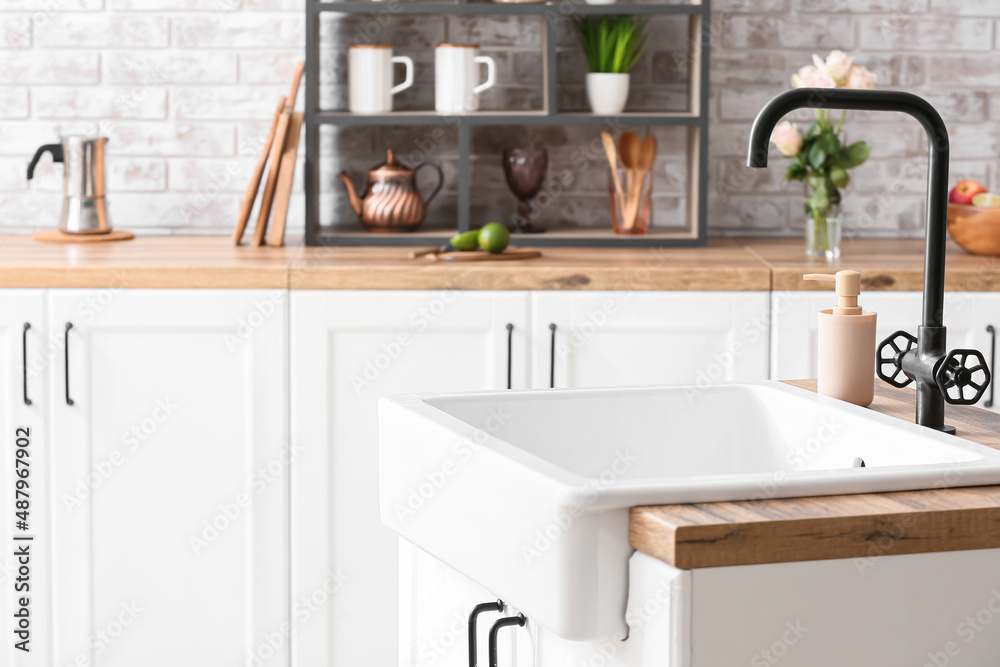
[[527, 492]]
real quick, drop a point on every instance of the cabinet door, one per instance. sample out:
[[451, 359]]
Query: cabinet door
[[170, 465], [349, 349], [984, 308], [25, 355], [434, 617], [628, 338]]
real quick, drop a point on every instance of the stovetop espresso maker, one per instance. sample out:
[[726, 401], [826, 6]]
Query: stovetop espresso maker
[[84, 210]]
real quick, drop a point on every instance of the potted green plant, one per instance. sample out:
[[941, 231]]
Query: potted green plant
[[612, 46]]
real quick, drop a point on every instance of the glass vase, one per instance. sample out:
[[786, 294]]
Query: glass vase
[[824, 227], [632, 210]]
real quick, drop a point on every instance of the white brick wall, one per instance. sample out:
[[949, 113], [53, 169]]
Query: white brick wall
[[184, 88], [945, 50]]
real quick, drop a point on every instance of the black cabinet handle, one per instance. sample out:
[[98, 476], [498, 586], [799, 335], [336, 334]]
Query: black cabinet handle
[[993, 362], [24, 360], [552, 357], [473, 618], [505, 622], [69, 325], [510, 343]]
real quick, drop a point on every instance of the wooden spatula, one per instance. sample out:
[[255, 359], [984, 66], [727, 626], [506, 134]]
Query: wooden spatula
[[258, 171], [277, 148]]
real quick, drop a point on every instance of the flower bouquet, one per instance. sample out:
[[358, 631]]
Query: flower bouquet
[[822, 156]]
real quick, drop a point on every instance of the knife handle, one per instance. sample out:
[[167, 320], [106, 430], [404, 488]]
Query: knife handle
[[414, 254]]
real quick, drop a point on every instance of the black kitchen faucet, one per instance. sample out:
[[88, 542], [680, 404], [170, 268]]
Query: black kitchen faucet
[[940, 375]]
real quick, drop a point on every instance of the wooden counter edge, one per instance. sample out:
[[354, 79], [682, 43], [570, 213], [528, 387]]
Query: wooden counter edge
[[861, 526], [653, 531]]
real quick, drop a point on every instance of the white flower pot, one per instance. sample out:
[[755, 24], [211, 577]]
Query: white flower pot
[[607, 93]]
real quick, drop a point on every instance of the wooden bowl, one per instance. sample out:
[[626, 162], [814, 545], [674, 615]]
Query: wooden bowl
[[975, 228]]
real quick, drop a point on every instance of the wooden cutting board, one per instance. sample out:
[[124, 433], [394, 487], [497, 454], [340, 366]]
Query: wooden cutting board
[[483, 256], [283, 191], [277, 148], [246, 206]]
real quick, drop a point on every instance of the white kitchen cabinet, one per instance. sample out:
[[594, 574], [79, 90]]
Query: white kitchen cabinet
[[934, 609], [347, 350], [628, 338], [794, 329], [22, 419], [169, 473], [658, 615]]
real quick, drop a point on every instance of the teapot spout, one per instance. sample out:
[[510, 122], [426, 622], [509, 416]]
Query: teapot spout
[[352, 193]]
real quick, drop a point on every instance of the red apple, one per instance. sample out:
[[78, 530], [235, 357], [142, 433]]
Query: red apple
[[965, 191]]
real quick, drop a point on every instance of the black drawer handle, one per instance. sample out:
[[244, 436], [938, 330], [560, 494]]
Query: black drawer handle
[[24, 360], [993, 359], [510, 344], [69, 325], [552, 357]]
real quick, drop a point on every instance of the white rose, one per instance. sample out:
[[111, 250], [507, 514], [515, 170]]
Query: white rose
[[837, 67], [860, 78], [787, 138], [812, 77]]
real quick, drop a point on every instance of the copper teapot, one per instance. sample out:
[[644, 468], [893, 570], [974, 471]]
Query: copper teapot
[[392, 202]]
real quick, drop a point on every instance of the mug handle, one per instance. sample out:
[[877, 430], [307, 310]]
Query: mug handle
[[408, 81], [427, 200], [491, 71]]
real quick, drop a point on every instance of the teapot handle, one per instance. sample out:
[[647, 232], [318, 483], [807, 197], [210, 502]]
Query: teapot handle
[[427, 200]]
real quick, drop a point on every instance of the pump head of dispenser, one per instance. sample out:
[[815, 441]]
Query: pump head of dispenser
[[847, 285]]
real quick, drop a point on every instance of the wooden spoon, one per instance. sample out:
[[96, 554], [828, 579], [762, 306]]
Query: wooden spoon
[[628, 148], [647, 155], [612, 153]]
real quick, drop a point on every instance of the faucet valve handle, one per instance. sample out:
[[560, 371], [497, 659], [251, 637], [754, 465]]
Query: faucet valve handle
[[890, 354], [960, 370]]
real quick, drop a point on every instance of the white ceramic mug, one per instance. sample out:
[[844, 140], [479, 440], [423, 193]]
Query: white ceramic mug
[[455, 76], [370, 77]]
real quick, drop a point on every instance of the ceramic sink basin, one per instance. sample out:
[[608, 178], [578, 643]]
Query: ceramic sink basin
[[527, 492]]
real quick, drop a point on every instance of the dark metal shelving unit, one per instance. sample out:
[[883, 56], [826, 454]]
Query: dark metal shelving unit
[[695, 119]]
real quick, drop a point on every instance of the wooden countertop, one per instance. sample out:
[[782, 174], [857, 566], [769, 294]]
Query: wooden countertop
[[885, 264], [726, 264], [863, 526], [150, 261], [173, 261]]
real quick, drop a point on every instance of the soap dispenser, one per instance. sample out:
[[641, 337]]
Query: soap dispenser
[[846, 346]]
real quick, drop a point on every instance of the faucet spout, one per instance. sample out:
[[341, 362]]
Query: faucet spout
[[936, 226]]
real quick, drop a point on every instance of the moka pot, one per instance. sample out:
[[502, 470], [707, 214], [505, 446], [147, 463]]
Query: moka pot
[[84, 210]]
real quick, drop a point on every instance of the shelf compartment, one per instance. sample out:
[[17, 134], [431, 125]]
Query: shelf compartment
[[518, 50], [554, 239], [498, 8], [574, 199], [680, 118]]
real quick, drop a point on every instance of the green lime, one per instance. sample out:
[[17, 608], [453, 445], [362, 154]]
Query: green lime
[[494, 237], [466, 240]]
